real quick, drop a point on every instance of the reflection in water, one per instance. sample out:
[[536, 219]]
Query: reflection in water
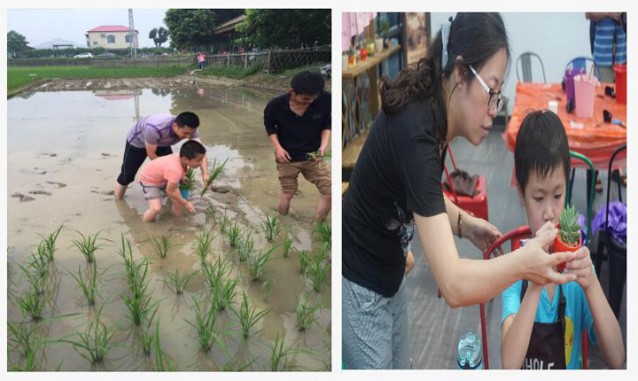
[[77, 139]]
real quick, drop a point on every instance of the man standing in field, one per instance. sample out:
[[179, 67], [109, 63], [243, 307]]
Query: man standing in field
[[153, 136], [298, 125]]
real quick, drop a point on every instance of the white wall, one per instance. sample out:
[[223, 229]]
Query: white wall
[[556, 37]]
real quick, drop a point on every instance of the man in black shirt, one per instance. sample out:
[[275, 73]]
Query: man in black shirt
[[298, 125]]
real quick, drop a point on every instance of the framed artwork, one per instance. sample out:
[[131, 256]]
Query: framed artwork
[[417, 35]]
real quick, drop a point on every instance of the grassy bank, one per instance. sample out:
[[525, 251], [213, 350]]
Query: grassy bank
[[19, 77]]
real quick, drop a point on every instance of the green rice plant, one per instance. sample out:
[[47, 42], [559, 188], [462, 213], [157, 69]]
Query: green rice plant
[[126, 252], [224, 294], [28, 364], [205, 317], [32, 304], [211, 214], [306, 314], [49, 243], [161, 246], [178, 282], [234, 235], [87, 245], [162, 361], [213, 174], [146, 335], [136, 298], [246, 247], [224, 222], [95, 342], [257, 263], [248, 316], [204, 240], [287, 245], [317, 271], [325, 232], [189, 182], [324, 252], [236, 366], [304, 260], [87, 284], [216, 272], [35, 278], [40, 266], [21, 338], [316, 155], [271, 227], [279, 355]]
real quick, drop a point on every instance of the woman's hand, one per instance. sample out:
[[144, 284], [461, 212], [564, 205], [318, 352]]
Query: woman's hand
[[480, 232], [537, 265]]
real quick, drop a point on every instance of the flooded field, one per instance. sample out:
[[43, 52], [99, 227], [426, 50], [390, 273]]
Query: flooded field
[[64, 153]]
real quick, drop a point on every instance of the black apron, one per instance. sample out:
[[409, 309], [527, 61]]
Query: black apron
[[546, 348]]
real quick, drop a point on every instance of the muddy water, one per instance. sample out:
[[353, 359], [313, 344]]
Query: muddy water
[[64, 153]]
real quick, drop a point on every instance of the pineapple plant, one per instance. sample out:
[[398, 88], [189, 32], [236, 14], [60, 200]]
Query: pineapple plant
[[568, 238]]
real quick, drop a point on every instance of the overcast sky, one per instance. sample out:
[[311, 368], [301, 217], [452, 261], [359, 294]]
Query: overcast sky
[[42, 25]]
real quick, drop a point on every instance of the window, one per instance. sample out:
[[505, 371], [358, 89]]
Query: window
[[94, 42], [110, 39], [128, 38]]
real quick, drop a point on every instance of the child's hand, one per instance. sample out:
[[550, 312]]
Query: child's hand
[[582, 267], [409, 262], [189, 207], [481, 233]]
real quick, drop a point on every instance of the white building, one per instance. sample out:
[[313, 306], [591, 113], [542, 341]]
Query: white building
[[110, 37]]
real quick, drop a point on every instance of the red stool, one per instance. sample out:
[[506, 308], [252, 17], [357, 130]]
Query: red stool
[[475, 205]]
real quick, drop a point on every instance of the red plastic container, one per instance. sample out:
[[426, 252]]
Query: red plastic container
[[560, 247], [620, 72]]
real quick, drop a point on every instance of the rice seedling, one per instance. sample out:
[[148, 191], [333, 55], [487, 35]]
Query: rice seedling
[[257, 263], [304, 260], [146, 336], [211, 214], [234, 235], [162, 361], [224, 294], [236, 366], [287, 245], [324, 252], [279, 355], [306, 315], [216, 272], [271, 228], [318, 271], [248, 316], [28, 364], [213, 174], [36, 279], [204, 240], [189, 182], [32, 304], [87, 245], [40, 265], [246, 247], [136, 299], [49, 243], [205, 317], [126, 252], [87, 284], [316, 155], [95, 342], [21, 338], [325, 232], [224, 222], [178, 282], [161, 246]]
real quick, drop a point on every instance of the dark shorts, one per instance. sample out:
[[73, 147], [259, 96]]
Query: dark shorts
[[315, 171], [133, 159]]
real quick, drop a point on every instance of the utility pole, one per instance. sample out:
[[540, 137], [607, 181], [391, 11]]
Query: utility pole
[[132, 35]]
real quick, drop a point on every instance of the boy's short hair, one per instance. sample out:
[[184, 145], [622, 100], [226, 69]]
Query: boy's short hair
[[187, 118], [191, 149], [307, 82], [541, 146]]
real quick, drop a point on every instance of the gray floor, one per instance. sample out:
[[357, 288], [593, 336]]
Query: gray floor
[[434, 327]]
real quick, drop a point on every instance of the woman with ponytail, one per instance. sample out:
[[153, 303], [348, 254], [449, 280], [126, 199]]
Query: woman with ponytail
[[395, 189]]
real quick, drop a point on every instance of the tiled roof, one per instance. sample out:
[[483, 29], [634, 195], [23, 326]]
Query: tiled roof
[[110, 28]]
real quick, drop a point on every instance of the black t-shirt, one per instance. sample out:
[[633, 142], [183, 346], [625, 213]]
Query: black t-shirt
[[299, 135], [398, 172]]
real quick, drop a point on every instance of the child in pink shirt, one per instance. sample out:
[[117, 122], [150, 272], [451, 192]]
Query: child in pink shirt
[[164, 174]]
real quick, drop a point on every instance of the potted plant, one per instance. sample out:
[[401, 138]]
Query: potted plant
[[569, 237], [187, 184], [352, 57], [370, 46]]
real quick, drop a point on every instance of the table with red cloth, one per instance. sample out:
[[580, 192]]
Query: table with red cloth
[[591, 137]]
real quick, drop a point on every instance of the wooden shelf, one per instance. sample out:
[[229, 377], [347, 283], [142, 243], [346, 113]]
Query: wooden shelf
[[370, 62]]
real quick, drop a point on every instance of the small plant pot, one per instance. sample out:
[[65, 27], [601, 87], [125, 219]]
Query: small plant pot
[[185, 193], [378, 44], [364, 54], [352, 60], [560, 246]]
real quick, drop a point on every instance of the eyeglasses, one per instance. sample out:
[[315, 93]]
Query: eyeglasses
[[497, 100]]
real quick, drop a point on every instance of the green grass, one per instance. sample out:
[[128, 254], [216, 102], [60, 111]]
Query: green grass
[[18, 77], [231, 72], [248, 316]]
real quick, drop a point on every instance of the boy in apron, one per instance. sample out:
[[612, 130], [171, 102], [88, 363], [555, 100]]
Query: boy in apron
[[542, 325]]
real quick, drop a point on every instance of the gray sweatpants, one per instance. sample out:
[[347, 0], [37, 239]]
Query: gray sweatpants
[[374, 328]]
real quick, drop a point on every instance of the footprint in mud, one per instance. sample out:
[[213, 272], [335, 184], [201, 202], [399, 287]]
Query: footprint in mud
[[48, 154], [104, 154], [37, 171], [40, 192], [22, 197], [220, 189], [106, 193], [60, 185]]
